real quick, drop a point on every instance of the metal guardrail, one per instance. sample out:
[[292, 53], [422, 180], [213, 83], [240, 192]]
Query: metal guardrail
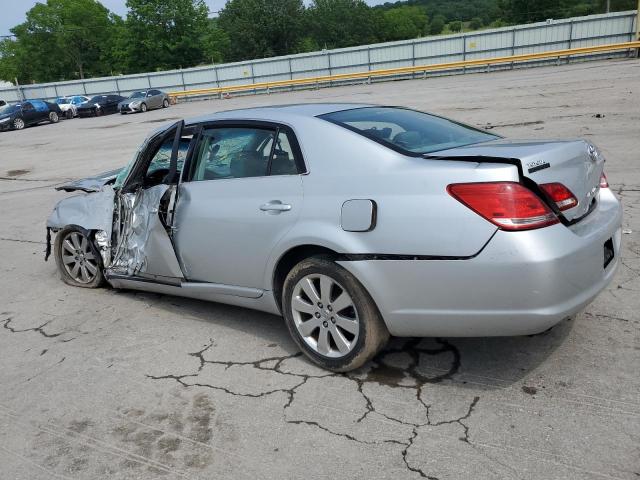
[[511, 59]]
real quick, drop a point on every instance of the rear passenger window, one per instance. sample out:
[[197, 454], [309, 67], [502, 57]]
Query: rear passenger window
[[232, 153]]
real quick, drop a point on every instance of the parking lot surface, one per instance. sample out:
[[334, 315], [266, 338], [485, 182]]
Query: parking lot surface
[[105, 384]]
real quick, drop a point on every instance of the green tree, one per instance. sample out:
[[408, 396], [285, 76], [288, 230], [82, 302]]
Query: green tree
[[437, 25], [60, 39], [455, 26], [165, 34], [262, 28], [215, 42], [404, 22], [343, 23], [475, 23]]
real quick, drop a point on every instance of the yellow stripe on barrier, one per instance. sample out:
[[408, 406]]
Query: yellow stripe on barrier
[[412, 69]]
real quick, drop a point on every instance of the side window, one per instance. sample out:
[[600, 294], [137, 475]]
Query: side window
[[160, 163], [283, 161], [27, 107], [154, 92], [234, 152]]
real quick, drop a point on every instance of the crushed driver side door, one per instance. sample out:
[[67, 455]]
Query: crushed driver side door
[[143, 215]]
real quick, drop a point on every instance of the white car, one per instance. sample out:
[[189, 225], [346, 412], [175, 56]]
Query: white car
[[69, 105]]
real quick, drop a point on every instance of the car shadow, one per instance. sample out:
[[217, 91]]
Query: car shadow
[[476, 362]]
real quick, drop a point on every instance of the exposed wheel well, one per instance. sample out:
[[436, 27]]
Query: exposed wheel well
[[289, 260]]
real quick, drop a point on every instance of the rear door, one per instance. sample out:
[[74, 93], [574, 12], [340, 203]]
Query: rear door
[[30, 114], [241, 193]]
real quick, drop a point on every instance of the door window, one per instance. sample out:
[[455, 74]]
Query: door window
[[235, 152], [241, 152]]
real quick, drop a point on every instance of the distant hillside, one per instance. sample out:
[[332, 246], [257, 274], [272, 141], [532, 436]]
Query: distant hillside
[[511, 11]]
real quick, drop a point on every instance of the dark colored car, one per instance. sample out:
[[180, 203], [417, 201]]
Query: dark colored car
[[100, 105], [2, 103], [33, 112]]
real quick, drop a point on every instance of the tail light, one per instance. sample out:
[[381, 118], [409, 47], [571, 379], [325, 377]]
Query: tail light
[[561, 195], [508, 205], [604, 183]]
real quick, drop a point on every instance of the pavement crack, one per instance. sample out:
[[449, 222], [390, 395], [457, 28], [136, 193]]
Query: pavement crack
[[39, 329]]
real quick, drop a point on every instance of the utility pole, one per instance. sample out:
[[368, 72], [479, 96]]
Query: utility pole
[[608, 6], [638, 28]]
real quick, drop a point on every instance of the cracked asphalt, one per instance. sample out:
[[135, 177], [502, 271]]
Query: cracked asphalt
[[105, 384]]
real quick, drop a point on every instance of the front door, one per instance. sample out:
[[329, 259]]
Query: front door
[[144, 210], [240, 195]]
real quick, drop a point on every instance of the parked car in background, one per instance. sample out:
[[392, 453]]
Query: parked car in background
[[69, 105], [24, 114], [352, 221], [143, 101], [100, 105]]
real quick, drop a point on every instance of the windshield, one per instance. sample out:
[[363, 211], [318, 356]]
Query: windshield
[[138, 95], [9, 109], [408, 131], [77, 100]]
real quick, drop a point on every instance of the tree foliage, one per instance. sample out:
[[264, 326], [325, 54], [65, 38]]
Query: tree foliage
[[261, 28], [66, 39]]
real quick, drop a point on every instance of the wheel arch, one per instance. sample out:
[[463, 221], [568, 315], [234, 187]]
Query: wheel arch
[[290, 259]]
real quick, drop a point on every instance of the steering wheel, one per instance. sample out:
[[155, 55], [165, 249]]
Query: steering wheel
[[156, 177]]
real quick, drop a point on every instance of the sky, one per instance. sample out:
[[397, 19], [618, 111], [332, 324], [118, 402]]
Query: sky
[[13, 11]]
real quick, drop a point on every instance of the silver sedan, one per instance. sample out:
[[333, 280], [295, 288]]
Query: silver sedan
[[143, 101], [353, 222]]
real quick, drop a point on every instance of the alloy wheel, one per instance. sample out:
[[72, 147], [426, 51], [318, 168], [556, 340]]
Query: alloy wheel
[[18, 124], [53, 116], [143, 107], [79, 261], [325, 315]]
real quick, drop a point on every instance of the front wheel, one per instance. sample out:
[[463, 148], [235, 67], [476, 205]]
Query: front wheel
[[331, 316], [78, 261], [18, 124], [53, 117], [143, 107], [69, 114]]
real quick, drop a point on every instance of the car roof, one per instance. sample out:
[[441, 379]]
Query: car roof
[[278, 112]]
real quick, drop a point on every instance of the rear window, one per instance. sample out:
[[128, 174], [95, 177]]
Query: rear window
[[408, 131]]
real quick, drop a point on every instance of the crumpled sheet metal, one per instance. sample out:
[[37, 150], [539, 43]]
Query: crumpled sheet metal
[[139, 212], [92, 211]]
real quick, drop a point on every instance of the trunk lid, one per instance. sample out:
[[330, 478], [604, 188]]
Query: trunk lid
[[576, 164]]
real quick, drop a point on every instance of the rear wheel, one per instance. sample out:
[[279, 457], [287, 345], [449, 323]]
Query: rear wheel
[[69, 114], [98, 112], [165, 103], [331, 316], [18, 124], [78, 261], [53, 117], [143, 107]]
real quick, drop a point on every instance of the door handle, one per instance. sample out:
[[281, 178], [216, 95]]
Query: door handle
[[275, 206]]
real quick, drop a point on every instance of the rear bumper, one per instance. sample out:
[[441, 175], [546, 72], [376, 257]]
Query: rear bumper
[[521, 283]]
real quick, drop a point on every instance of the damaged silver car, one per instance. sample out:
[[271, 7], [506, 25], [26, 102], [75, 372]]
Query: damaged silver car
[[354, 222]]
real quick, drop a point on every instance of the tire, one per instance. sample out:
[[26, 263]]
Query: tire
[[68, 114], [53, 117], [79, 247], [358, 328], [18, 124], [98, 112], [165, 103], [143, 107]]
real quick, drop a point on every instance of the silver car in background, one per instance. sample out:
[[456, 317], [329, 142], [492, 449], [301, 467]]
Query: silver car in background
[[144, 100], [354, 222], [69, 105]]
